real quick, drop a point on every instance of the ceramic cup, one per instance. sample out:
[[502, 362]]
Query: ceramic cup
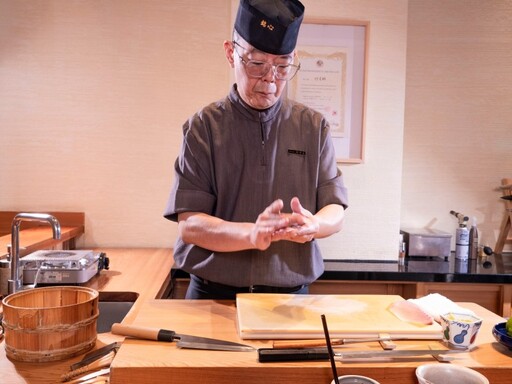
[[448, 374], [460, 330], [355, 379]]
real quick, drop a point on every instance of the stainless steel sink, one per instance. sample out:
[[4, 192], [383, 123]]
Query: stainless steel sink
[[113, 307]]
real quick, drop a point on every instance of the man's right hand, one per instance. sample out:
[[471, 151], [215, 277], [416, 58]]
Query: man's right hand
[[269, 221]]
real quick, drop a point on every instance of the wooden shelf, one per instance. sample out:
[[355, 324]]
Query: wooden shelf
[[35, 236]]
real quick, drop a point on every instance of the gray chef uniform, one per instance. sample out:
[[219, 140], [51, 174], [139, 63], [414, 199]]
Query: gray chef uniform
[[235, 161]]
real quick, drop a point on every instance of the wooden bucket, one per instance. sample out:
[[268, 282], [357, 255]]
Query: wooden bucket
[[51, 323]]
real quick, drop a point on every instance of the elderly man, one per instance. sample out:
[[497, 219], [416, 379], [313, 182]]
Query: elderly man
[[243, 157]]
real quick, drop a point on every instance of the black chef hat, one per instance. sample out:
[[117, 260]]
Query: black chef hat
[[271, 26]]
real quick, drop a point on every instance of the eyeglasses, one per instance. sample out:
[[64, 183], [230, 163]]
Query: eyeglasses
[[257, 69]]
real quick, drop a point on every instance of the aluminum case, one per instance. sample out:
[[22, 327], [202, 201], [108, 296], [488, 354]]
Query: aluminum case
[[427, 242]]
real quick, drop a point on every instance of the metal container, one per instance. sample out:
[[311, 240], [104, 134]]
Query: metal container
[[355, 379], [427, 242], [5, 275]]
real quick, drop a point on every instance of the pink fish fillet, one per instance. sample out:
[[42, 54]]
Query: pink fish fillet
[[410, 312]]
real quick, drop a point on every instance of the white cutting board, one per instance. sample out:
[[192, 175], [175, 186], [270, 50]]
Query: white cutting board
[[283, 316]]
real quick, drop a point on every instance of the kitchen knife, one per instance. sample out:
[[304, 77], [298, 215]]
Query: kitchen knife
[[100, 376], [183, 341], [377, 355], [95, 355], [304, 354], [292, 354]]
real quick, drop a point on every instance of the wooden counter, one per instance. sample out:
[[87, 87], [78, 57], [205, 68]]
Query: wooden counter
[[141, 361], [144, 271]]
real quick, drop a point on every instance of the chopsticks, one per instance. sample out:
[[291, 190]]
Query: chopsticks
[[329, 350]]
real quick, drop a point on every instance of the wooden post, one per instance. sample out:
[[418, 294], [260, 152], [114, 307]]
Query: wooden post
[[506, 225]]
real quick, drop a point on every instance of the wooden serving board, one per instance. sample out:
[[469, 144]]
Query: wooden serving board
[[283, 316]]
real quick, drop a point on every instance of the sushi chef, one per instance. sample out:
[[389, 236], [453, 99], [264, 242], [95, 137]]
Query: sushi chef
[[256, 181]]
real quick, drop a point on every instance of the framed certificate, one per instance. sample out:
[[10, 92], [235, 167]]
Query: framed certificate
[[332, 80]]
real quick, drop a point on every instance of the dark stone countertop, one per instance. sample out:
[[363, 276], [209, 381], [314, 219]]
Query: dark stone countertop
[[494, 269]]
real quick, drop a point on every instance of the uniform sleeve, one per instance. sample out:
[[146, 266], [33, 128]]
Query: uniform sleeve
[[331, 188], [192, 189]]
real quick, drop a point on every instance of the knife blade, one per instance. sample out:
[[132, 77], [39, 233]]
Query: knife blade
[[182, 341], [343, 356], [94, 355]]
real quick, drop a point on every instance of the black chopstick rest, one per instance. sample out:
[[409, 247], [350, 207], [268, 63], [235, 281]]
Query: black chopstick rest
[[266, 355]]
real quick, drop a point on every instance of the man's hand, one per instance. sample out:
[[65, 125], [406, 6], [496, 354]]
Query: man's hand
[[268, 222], [302, 225]]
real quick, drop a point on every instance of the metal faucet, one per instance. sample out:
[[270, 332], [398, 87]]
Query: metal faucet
[[15, 282]]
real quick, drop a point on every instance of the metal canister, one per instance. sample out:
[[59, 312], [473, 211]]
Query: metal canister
[[5, 275], [462, 243]]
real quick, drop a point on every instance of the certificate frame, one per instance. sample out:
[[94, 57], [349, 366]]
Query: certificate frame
[[331, 39]]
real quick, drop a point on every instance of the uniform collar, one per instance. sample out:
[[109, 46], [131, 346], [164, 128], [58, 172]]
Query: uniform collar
[[251, 113]]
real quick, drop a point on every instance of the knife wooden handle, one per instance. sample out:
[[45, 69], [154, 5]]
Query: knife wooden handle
[[285, 344], [146, 333]]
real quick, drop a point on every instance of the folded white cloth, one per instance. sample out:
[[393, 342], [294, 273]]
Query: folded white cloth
[[436, 305]]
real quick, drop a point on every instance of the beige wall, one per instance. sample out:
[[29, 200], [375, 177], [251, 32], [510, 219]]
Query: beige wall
[[93, 95], [458, 120], [373, 219]]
